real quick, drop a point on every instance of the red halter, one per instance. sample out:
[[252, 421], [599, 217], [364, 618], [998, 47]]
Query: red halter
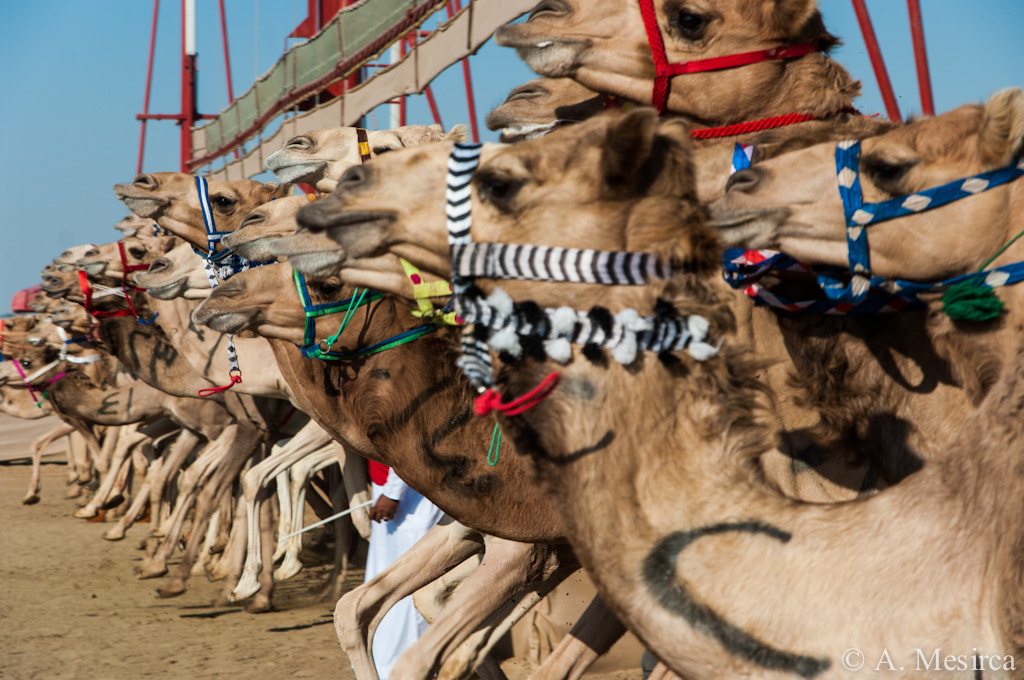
[[664, 70], [87, 290]]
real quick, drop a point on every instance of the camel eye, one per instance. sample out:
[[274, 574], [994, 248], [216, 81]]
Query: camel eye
[[25, 363], [689, 25], [378, 150], [137, 252], [224, 202], [496, 189], [327, 290], [885, 173]]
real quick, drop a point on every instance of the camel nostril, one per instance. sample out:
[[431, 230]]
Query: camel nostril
[[556, 7], [144, 182], [158, 265], [744, 180], [355, 176]]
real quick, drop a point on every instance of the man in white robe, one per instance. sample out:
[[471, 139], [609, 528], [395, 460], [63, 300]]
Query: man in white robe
[[401, 516]]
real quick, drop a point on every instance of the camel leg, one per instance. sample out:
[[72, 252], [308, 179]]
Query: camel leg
[[38, 446], [209, 538], [173, 462], [156, 564], [301, 473], [283, 456], [510, 572], [122, 440], [262, 600], [345, 538], [359, 612], [229, 566], [284, 519], [243, 446], [591, 636], [152, 462]]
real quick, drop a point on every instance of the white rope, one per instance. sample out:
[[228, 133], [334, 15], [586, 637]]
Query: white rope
[[325, 521]]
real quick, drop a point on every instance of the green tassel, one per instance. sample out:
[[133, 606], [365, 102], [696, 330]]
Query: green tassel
[[968, 301]]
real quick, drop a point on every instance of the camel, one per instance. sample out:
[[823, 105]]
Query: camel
[[605, 47], [804, 216], [457, 479], [172, 200], [319, 157], [766, 584], [535, 108], [152, 355]]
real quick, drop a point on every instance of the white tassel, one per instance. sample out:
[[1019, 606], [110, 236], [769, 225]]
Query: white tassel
[[630, 323], [563, 320], [500, 301], [698, 327], [701, 351], [558, 350], [505, 340]]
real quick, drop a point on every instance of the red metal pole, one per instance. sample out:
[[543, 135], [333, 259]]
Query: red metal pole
[[474, 128], [881, 75], [433, 105], [227, 56], [149, 83], [924, 81], [188, 94]]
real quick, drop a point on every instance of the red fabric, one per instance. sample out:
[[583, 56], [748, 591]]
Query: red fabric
[[378, 472], [21, 299], [491, 400]]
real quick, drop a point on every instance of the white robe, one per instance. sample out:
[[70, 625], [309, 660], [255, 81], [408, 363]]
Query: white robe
[[402, 625]]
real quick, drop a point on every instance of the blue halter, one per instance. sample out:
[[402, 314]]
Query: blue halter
[[860, 215]]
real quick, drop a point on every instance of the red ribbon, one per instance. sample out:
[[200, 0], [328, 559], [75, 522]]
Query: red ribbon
[[206, 392], [491, 400]]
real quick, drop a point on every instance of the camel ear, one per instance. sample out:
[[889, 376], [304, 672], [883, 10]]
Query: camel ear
[[279, 190], [787, 17], [458, 133], [627, 147], [1002, 134]]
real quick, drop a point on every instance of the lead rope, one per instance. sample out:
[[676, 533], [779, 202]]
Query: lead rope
[[29, 378], [213, 237]]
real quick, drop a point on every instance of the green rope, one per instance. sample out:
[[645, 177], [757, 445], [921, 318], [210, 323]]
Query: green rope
[[972, 300], [496, 437], [345, 320]]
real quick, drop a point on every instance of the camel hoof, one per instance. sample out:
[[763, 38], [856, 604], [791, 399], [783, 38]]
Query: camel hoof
[[100, 516], [114, 534], [85, 513], [288, 569], [260, 605], [73, 492], [31, 499], [144, 571], [174, 588], [246, 588], [113, 502]]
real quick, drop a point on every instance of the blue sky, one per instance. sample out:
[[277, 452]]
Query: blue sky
[[73, 75]]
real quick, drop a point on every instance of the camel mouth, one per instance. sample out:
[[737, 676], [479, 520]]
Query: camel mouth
[[521, 133], [748, 228], [140, 204], [161, 290], [318, 263], [92, 269], [222, 320], [317, 217], [255, 250], [290, 173], [54, 287]]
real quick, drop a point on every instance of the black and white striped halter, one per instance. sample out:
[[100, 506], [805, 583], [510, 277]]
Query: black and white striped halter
[[502, 322]]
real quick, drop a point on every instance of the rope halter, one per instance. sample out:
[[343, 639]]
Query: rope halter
[[664, 71], [90, 291], [502, 323], [32, 378], [859, 215]]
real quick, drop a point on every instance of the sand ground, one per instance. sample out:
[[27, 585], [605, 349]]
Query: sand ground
[[71, 608]]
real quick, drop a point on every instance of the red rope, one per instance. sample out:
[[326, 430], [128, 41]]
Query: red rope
[[491, 400], [752, 126], [235, 379]]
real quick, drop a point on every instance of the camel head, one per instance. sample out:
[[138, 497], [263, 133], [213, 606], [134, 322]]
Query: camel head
[[627, 165], [319, 157], [539, 106], [263, 300], [792, 203], [175, 273], [133, 225], [171, 199], [603, 44], [263, 226]]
